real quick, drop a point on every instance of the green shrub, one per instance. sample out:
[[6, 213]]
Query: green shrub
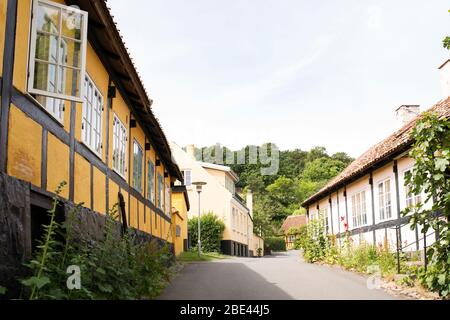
[[211, 232], [275, 243], [114, 267]]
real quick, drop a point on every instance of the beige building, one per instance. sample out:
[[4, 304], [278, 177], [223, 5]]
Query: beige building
[[219, 196]]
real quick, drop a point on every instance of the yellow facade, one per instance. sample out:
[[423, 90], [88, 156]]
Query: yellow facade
[[179, 226], [24, 148], [40, 148]]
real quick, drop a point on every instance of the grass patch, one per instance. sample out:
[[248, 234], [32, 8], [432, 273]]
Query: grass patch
[[191, 256]]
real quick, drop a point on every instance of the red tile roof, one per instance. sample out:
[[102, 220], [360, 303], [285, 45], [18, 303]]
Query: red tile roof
[[293, 222], [396, 143]]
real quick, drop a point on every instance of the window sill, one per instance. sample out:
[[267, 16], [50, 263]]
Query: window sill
[[98, 155], [119, 174]]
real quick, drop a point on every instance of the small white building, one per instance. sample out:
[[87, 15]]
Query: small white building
[[219, 196]]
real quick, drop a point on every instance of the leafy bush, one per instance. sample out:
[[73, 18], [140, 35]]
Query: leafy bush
[[430, 176], [114, 267], [302, 236], [211, 232], [275, 244]]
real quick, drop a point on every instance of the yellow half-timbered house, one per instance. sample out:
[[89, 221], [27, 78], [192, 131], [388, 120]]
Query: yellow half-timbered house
[[73, 108]]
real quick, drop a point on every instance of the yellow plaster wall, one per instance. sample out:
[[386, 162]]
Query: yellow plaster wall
[[24, 147], [179, 204], [22, 37], [3, 4], [99, 191], [57, 165], [113, 194], [82, 181], [133, 212]]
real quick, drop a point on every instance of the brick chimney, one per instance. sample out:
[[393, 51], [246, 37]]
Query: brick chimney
[[445, 79], [406, 113]]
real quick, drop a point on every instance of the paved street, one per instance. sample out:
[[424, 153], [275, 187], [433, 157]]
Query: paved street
[[283, 276]]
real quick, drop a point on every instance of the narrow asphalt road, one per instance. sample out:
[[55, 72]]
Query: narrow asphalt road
[[280, 277]]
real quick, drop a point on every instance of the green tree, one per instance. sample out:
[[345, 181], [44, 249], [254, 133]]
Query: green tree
[[323, 169], [211, 231], [431, 176], [446, 41]]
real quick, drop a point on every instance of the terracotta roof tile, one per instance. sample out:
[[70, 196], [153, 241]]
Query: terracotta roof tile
[[396, 142]]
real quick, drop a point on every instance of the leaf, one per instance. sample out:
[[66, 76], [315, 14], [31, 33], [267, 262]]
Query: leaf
[[35, 281], [3, 290], [441, 164], [105, 287], [441, 279]]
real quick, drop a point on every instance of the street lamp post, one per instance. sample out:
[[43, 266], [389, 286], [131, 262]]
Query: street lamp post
[[199, 185]]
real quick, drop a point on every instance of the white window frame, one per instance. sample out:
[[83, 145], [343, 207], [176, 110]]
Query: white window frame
[[120, 138], [134, 177], [187, 182], [384, 206], [95, 109], [160, 190], [359, 211], [32, 53], [151, 181], [323, 215], [409, 197], [167, 201]]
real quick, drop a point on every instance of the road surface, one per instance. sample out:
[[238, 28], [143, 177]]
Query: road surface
[[283, 276]]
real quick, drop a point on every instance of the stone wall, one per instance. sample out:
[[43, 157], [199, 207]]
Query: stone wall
[[15, 243], [15, 230]]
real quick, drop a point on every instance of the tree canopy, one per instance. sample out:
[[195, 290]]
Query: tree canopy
[[301, 173]]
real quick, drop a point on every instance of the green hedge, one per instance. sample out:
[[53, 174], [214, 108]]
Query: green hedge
[[275, 244], [211, 232]]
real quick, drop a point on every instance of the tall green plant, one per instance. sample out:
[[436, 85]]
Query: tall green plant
[[211, 231], [431, 177], [46, 250]]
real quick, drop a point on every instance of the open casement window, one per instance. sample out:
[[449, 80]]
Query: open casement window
[[138, 157], [151, 181], [119, 147], [57, 54], [91, 127], [384, 200], [359, 210]]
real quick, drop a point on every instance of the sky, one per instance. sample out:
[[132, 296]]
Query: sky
[[293, 72]]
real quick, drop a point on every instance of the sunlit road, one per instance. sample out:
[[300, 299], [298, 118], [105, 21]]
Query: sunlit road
[[279, 277]]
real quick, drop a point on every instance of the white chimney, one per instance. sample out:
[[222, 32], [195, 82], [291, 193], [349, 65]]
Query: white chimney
[[406, 113], [445, 79], [249, 202], [190, 150]]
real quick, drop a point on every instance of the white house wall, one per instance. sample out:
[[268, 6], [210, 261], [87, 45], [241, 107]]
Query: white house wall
[[376, 231]]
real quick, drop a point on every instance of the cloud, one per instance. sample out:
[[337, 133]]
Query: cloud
[[280, 77]]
